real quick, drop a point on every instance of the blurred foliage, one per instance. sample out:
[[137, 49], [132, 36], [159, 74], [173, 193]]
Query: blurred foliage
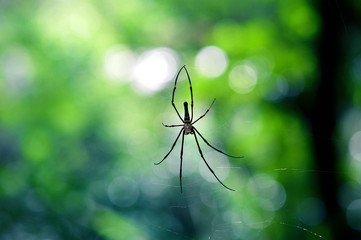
[[77, 144]]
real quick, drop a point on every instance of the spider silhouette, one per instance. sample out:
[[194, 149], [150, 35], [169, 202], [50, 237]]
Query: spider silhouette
[[188, 128]]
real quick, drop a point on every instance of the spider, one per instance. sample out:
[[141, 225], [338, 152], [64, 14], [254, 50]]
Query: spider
[[188, 128]]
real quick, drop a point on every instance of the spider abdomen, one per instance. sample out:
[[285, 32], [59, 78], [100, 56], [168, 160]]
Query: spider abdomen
[[186, 113]]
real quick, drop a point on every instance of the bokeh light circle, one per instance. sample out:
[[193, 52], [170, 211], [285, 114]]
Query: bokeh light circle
[[154, 68], [123, 191], [353, 214], [272, 194], [242, 78], [17, 68], [118, 63], [355, 146], [219, 164], [257, 220], [211, 61]]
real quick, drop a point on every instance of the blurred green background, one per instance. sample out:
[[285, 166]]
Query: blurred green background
[[85, 86]]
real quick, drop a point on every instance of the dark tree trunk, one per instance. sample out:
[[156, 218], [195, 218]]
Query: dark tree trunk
[[323, 114]]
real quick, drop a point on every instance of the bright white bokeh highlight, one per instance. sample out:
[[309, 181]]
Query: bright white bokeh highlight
[[355, 146], [154, 68], [211, 61], [149, 72], [17, 69], [242, 78], [119, 62]]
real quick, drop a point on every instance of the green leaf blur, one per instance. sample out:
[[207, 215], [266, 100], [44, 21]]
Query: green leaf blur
[[86, 85]]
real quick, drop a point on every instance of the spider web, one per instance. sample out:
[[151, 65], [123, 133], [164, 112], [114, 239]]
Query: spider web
[[261, 206]]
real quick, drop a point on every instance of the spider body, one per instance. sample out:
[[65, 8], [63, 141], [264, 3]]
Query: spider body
[[188, 128]]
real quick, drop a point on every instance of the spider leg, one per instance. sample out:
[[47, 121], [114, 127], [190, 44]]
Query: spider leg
[[214, 147], [181, 163], [171, 148], [190, 86], [210, 169], [175, 86], [204, 113], [178, 125]]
